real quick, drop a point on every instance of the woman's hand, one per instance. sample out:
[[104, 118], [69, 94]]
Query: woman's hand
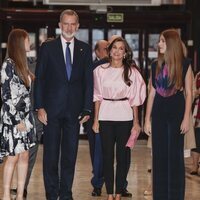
[[147, 127], [95, 126], [136, 127], [185, 125], [196, 77], [21, 126]]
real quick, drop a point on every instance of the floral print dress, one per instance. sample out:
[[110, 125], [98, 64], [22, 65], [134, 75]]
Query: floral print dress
[[16, 107]]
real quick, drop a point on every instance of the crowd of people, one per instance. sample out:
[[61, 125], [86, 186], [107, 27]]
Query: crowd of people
[[71, 89]]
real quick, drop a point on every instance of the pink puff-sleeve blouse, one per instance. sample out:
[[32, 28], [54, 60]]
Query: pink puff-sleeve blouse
[[109, 84]]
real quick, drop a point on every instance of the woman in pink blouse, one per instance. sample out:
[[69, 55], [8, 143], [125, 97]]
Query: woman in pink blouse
[[118, 89]]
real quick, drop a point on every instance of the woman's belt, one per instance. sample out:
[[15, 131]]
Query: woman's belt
[[122, 99]]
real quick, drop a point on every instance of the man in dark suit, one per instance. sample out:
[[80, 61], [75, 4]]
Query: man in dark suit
[[94, 139], [63, 98]]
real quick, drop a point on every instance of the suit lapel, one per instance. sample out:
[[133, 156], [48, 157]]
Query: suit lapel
[[76, 57], [60, 57], [76, 53]]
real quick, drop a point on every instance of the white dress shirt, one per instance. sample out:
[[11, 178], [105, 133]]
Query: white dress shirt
[[71, 47]]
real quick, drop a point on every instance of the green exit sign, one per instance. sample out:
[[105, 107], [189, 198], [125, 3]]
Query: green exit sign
[[115, 17]]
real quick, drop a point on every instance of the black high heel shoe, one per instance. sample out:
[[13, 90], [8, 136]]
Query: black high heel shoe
[[193, 173]]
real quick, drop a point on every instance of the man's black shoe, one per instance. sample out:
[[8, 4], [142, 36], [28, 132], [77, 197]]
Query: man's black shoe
[[126, 193], [14, 192], [96, 192]]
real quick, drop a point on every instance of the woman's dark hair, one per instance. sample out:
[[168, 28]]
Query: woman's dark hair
[[127, 60]]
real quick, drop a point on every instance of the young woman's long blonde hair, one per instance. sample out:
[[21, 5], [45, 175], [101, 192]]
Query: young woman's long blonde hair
[[16, 51], [173, 57]]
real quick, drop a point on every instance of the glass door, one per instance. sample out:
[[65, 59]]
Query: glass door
[[144, 46], [133, 41]]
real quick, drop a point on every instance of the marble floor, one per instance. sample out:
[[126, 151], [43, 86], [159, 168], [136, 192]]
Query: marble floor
[[138, 176]]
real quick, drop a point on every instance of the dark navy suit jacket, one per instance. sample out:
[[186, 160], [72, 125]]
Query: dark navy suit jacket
[[53, 91]]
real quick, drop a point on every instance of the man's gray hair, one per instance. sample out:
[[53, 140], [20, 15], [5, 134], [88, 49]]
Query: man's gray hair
[[69, 12]]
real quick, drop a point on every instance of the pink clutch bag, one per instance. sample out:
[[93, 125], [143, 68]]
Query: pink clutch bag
[[132, 139]]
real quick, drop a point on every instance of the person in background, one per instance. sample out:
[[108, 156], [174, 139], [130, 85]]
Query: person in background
[[63, 99], [171, 77], [118, 88], [101, 50], [94, 139], [17, 122], [196, 114]]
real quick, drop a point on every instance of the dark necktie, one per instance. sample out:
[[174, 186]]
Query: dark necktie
[[68, 61]]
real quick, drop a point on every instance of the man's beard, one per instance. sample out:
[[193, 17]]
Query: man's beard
[[67, 35]]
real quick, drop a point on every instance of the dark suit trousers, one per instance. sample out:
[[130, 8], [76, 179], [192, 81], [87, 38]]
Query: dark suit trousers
[[167, 148], [60, 140], [96, 156], [33, 150], [32, 158]]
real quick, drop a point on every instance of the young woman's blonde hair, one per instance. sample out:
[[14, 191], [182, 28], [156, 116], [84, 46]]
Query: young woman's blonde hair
[[173, 57], [16, 51]]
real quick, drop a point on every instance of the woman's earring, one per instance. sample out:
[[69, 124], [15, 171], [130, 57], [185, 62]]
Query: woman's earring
[[124, 56]]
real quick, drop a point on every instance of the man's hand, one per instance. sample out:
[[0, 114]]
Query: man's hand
[[84, 119], [84, 116], [42, 116]]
